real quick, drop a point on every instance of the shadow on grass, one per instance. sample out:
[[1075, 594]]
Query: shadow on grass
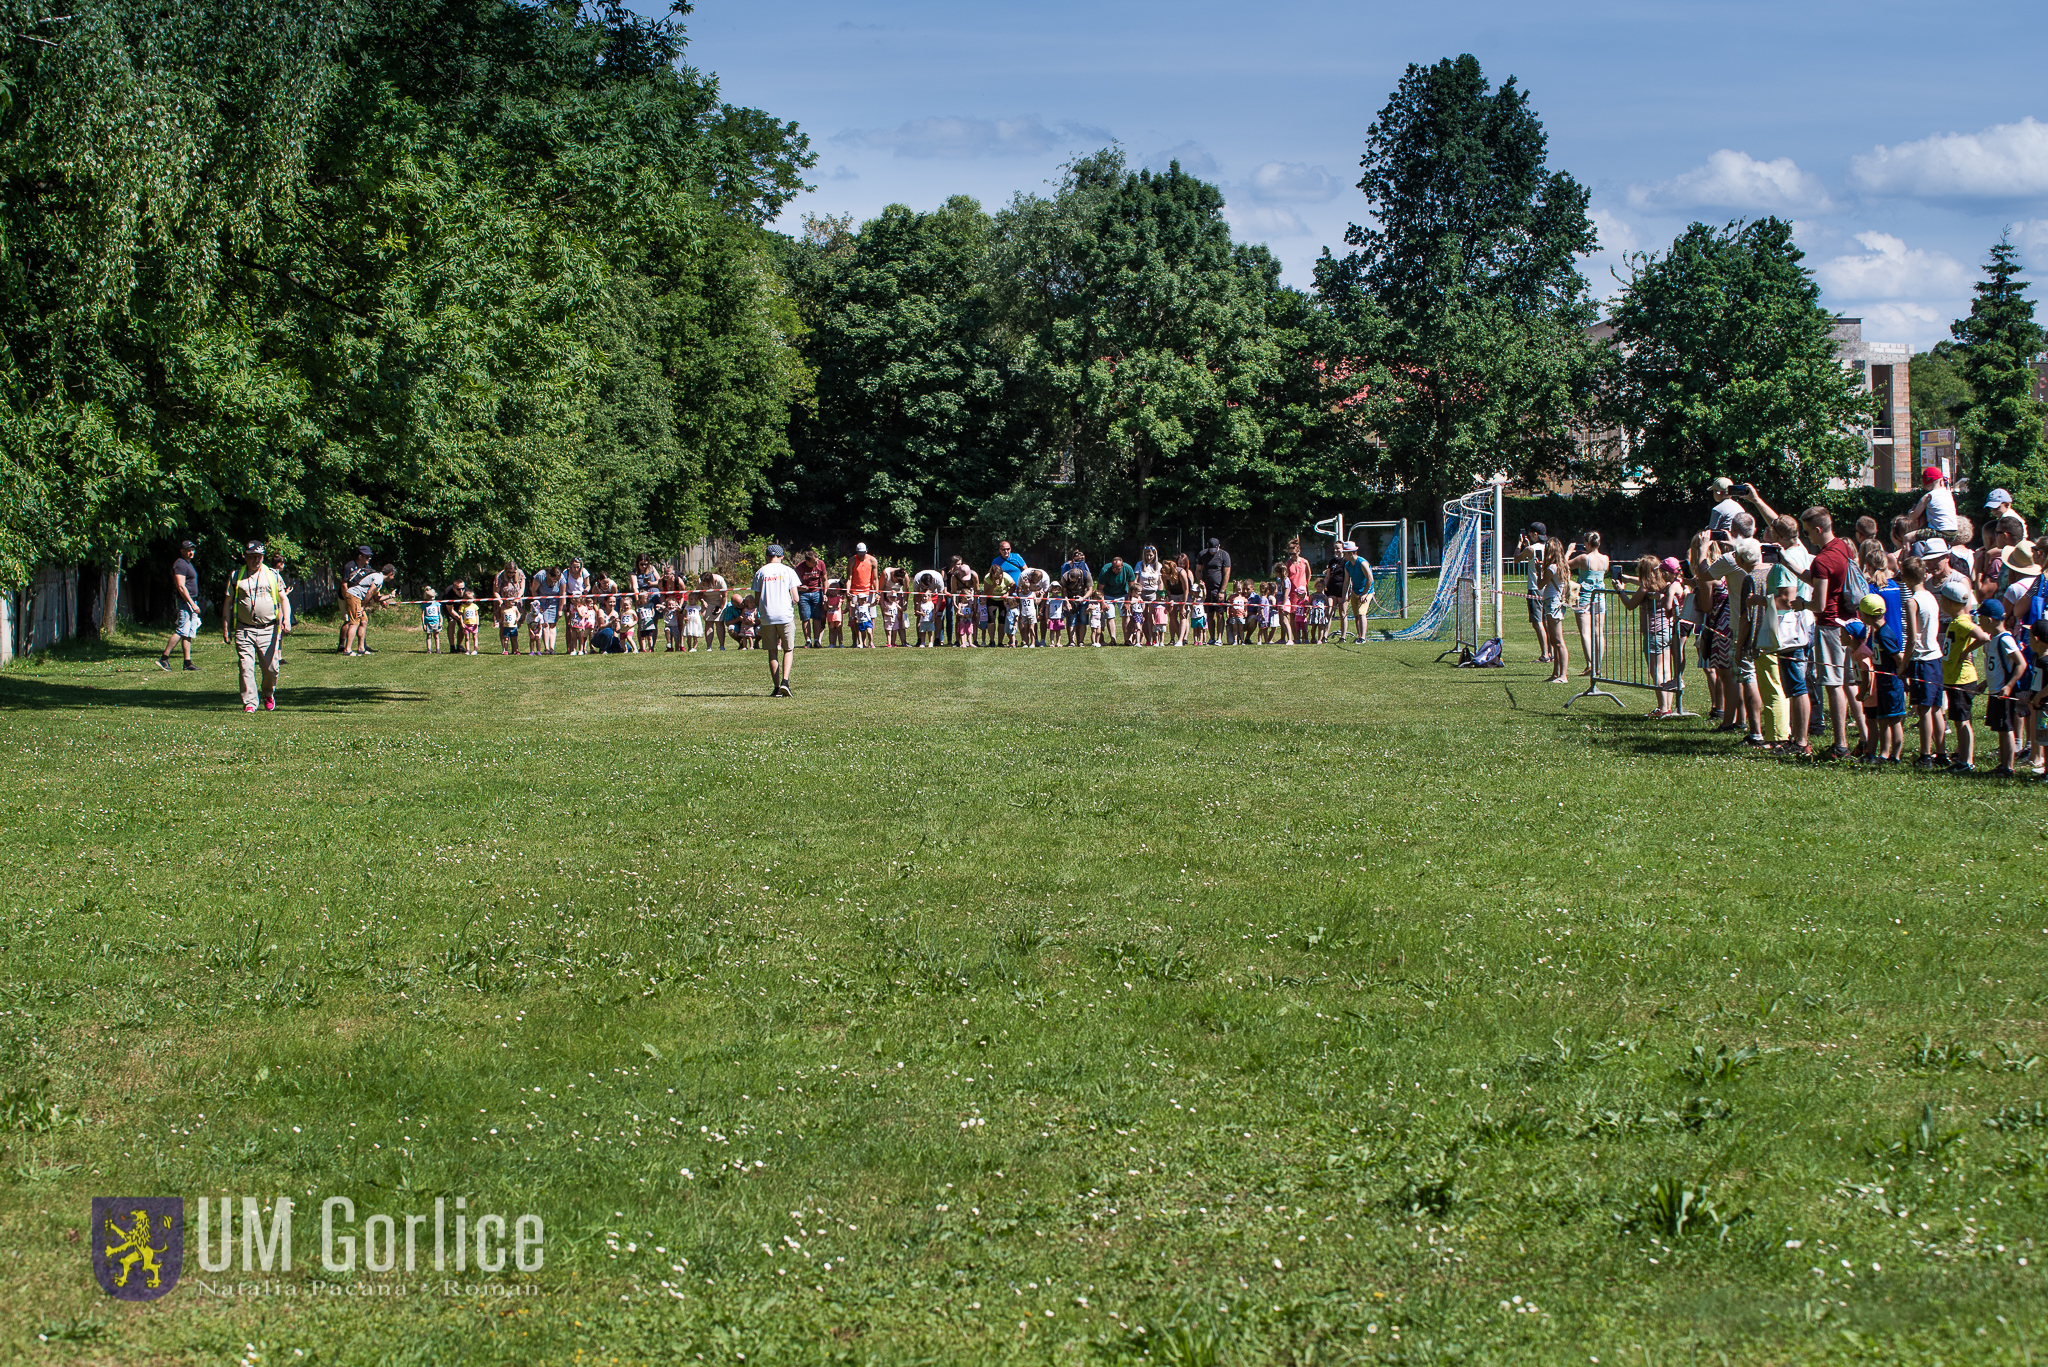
[[35, 695]]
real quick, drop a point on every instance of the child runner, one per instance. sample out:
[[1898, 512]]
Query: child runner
[[472, 618], [2004, 670], [508, 626], [1095, 611], [430, 621], [693, 626], [1884, 687], [927, 612], [1959, 679], [863, 623]]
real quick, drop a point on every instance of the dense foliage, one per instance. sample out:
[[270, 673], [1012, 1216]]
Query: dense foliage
[[2001, 427], [466, 278], [458, 277], [1728, 366]]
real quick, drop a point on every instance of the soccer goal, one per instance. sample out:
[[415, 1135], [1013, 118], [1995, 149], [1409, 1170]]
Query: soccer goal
[[1467, 602]]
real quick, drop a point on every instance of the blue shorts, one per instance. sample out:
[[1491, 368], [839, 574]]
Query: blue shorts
[[1792, 670], [1926, 683], [188, 624], [811, 606], [1889, 701]]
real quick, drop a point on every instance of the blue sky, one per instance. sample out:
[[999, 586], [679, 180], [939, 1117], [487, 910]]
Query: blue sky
[[1900, 139]]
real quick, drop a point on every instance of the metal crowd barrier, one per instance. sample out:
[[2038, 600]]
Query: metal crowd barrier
[[1623, 662]]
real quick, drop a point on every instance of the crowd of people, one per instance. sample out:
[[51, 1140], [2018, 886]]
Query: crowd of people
[[863, 604], [1811, 640], [858, 604]]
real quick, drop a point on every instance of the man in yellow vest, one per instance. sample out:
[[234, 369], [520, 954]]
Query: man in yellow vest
[[254, 621]]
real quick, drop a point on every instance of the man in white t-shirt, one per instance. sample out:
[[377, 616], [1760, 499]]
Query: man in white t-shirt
[[776, 587]]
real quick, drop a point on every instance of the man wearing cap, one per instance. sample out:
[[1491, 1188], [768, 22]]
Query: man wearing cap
[[253, 623], [185, 586], [352, 603], [863, 572], [1360, 574], [1936, 510], [776, 587], [362, 594]]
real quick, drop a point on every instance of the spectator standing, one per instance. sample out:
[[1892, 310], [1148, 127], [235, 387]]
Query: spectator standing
[[1213, 565], [361, 595], [1827, 573], [1360, 574], [776, 587], [185, 589], [1337, 588], [1008, 562], [1529, 550], [252, 623], [863, 572], [811, 574], [1116, 579], [351, 604]]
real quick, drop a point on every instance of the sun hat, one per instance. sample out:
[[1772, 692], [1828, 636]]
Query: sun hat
[[1993, 607], [1928, 549], [1870, 605], [1955, 590], [2020, 560]]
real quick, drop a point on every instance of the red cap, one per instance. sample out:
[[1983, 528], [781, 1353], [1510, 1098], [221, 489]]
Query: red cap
[[1930, 474]]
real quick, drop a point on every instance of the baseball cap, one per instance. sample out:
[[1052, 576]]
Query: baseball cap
[[1722, 484], [255, 547], [1999, 498], [1539, 529], [1870, 605], [775, 552], [1215, 543], [1955, 591], [1671, 565], [860, 547], [188, 545], [364, 550], [1992, 607], [1930, 474]]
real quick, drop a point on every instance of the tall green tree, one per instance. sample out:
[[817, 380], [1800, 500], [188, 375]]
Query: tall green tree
[[142, 148], [1142, 335], [2001, 427], [911, 430], [1727, 366], [1939, 391], [1462, 301]]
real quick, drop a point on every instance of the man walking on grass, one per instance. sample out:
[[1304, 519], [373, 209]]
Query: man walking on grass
[[185, 584], [253, 624], [775, 590]]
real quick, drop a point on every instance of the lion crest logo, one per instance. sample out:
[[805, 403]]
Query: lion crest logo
[[138, 1245]]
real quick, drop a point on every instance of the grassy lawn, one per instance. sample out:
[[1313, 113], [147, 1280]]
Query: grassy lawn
[[1237, 1006]]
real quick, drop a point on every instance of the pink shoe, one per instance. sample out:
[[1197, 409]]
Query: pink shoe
[[270, 703], [248, 707]]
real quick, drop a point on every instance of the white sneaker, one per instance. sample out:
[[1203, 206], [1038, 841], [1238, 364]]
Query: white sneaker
[[1098, 645]]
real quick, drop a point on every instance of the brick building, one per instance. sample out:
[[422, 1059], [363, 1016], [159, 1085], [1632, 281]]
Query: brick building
[[1884, 368]]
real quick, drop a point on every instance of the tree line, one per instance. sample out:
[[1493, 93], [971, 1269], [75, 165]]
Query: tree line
[[467, 278]]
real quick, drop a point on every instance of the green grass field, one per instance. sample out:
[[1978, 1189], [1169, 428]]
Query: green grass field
[[1236, 1006]]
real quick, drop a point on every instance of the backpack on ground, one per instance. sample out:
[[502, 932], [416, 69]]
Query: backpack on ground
[[1486, 657]]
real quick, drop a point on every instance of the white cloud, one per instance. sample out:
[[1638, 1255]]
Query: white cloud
[[957, 138], [1918, 325], [1736, 180], [1292, 182], [2031, 237], [1889, 269], [1192, 156], [2004, 161], [844, 172], [1258, 222], [1615, 233]]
